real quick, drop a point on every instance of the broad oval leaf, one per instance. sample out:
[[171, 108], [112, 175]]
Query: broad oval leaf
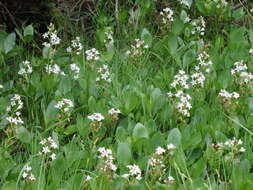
[[124, 153], [9, 42], [140, 131], [175, 137]]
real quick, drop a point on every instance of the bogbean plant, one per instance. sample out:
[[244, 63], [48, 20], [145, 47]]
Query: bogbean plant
[[165, 111]]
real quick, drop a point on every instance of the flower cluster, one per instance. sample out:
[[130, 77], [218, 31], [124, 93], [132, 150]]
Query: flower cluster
[[182, 99], [158, 162], [226, 95], [198, 79], [27, 174], [204, 62], [25, 68], [114, 113], [13, 110], [106, 158], [49, 146], [92, 54], [241, 74], [167, 15], [170, 180], [134, 171], [54, 69], [180, 80], [157, 159], [96, 119], [232, 145], [203, 67], [109, 38], [1, 86], [183, 104], [220, 3], [198, 26], [185, 3], [137, 49], [104, 74], [158, 156], [64, 105], [76, 46], [229, 99], [76, 69], [52, 37]]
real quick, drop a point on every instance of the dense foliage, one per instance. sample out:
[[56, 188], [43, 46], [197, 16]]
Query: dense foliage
[[155, 95]]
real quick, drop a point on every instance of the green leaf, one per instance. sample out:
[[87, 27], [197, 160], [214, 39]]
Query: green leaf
[[9, 42], [28, 31], [124, 153], [172, 43], [23, 135], [9, 185], [198, 168], [140, 131], [65, 85], [177, 26], [120, 133], [131, 101], [174, 137], [240, 174], [146, 36], [189, 57], [50, 113], [82, 125]]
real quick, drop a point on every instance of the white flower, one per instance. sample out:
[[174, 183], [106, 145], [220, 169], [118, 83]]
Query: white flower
[[32, 177], [27, 173], [113, 111], [46, 149], [55, 69], [64, 105], [53, 156], [42, 142], [159, 150], [137, 49], [69, 49], [108, 38], [171, 147], [106, 157], [24, 175], [170, 179], [28, 168], [52, 37], [180, 80], [167, 15], [25, 68], [227, 95], [183, 104], [104, 74], [198, 79], [88, 178], [96, 117], [76, 46], [199, 26], [242, 149], [185, 2], [54, 145], [134, 171], [92, 54], [76, 69]]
